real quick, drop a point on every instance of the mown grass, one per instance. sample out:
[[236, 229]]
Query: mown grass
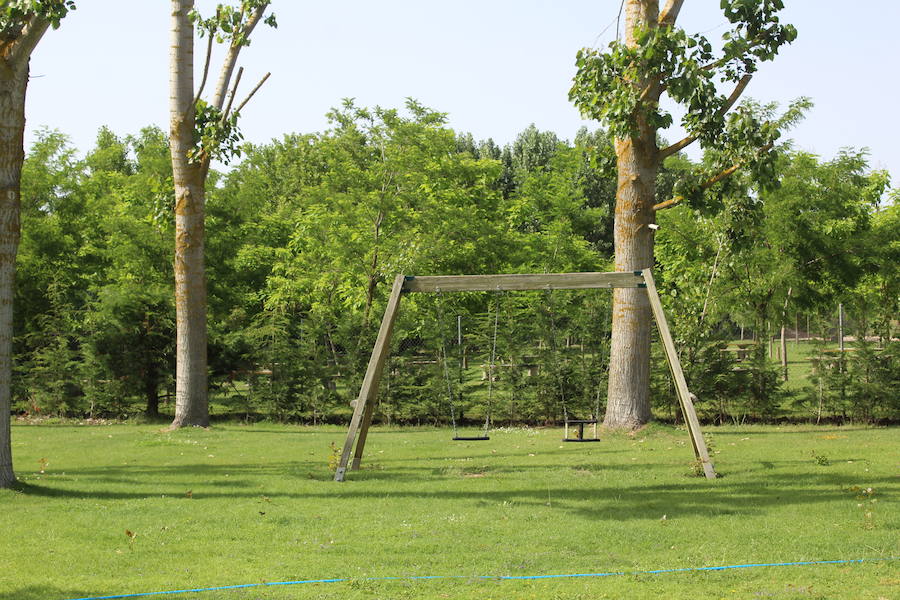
[[255, 503]]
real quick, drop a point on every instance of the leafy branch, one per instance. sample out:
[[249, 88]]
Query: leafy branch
[[216, 133], [15, 15], [621, 86]]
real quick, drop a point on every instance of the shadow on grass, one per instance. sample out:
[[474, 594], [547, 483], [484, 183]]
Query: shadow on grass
[[42, 592], [800, 429], [587, 498]]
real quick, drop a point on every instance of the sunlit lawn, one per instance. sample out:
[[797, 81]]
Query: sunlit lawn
[[250, 504]]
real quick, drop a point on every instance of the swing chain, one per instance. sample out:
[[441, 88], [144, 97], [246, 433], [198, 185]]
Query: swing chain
[[446, 367], [491, 365]]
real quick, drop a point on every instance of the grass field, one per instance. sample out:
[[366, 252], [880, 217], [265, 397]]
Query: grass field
[[127, 509]]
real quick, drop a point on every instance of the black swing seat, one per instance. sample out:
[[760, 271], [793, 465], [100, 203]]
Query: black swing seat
[[477, 438], [581, 423]]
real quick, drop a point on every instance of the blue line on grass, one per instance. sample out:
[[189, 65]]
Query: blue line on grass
[[494, 577]]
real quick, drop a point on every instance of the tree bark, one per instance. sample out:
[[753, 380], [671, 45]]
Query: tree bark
[[191, 402], [628, 399], [15, 58], [841, 327], [784, 360], [783, 347], [13, 84], [151, 391]]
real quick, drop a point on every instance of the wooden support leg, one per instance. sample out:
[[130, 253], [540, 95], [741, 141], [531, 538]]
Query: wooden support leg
[[684, 396], [365, 402], [363, 434]]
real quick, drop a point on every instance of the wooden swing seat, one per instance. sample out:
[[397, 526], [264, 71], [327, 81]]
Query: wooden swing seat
[[580, 423]]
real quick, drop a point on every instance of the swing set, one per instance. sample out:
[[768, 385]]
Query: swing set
[[490, 377], [365, 403]]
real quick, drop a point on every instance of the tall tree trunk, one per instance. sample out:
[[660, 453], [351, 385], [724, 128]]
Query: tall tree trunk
[[782, 353], [151, 391], [12, 127], [841, 327], [628, 399], [191, 402]]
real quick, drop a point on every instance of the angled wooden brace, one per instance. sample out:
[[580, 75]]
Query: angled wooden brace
[[365, 403], [684, 396]]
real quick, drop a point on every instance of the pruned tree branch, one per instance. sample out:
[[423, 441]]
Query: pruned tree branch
[[705, 185], [26, 42], [234, 88], [708, 183], [252, 92], [209, 46], [736, 93], [669, 13], [677, 147], [232, 55], [729, 103], [668, 203]]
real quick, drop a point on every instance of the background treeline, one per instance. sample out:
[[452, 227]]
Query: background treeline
[[306, 234]]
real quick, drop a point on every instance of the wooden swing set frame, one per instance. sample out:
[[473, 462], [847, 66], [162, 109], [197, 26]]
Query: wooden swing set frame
[[365, 403]]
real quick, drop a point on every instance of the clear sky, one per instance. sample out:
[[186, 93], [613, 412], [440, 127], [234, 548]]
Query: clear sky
[[494, 65]]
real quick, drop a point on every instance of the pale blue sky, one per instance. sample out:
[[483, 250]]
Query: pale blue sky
[[494, 65]]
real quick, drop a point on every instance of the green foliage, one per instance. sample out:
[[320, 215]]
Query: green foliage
[[316, 227], [229, 22], [622, 86], [129, 346], [859, 384], [748, 140], [874, 378], [311, 229], [94, 317], [14, 14], [610, 86], [550, 355], [51, 377], [216, 135], [766, 255], [216, 132], [287, 380]]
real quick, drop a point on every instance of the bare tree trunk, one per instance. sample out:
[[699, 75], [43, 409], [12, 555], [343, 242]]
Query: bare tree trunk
[[783, 346], [191, 402], [12, 127], [15, 57], [784, 360], [189, 175], [628, 400], [841, 327], [151, 389]]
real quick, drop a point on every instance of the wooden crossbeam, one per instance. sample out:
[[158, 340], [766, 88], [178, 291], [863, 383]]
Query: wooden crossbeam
[[522, 282]]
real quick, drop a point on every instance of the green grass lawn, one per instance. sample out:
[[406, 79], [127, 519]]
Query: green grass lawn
[[248, 504]]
